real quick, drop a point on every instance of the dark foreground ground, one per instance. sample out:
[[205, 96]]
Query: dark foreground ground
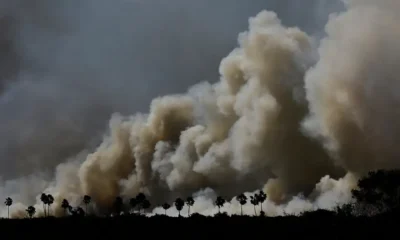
[[312, 226]]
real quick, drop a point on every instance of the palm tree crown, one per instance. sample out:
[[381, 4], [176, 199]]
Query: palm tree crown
[[8, 203], [65, 205], [50, 201], [45, 200], [166, 206], [190, 203], [31, 211], [179, 203], [220, 203], [86, 200], [242, 199]]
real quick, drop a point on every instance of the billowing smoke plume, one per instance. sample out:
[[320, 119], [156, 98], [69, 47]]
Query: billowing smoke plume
[[231, 136], [352, 90], [302, 126]]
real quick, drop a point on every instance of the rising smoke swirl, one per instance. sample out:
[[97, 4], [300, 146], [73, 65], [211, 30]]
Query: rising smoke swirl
[[301, 126]]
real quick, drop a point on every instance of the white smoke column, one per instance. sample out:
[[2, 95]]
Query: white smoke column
[[353, 89]]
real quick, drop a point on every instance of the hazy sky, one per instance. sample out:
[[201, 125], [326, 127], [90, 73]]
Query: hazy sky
[[66, 66]]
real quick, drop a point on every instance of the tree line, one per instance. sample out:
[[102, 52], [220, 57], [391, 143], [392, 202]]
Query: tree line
[[377, 193], [139, 203]]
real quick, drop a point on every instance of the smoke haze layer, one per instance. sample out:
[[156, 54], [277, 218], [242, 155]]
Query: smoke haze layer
[[300, 118]]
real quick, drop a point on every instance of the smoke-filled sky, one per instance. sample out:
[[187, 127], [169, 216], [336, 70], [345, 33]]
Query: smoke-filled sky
[[66, 66], [167, 98]]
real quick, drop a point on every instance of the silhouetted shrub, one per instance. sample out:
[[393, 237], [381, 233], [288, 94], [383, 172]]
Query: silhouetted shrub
[[197, 215], [378, 192], [222, 214], [320, 213]]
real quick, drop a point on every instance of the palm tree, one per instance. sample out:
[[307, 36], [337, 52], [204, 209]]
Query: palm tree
[[86, 200], [118, 204], [190, 203], [261, 199], [50, 201], [44, 200], [166, 206], [220, 203], [254, 201], [65, 206], [133, 203], [8, 203], [242, 199], [179, 203], [31, 211], [146, 204]]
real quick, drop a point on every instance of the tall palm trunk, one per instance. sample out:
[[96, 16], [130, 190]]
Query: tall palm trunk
[[44, 209], [241, 210], [165, 212], [189, 211], [8, 212], [255, 213]]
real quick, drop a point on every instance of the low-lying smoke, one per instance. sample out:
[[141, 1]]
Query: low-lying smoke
[[302, 126]]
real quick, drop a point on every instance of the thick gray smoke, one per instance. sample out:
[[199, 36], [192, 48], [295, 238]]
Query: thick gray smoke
[[298, 121]]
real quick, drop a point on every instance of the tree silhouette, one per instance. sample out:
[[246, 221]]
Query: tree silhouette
[[179, 203], [344, 210], [242, 199], [8, 203], [80, 212], [50, 201], [31, 211], [254, 201], [65, 205], [44, 200], [166, 206], [86, 200], [76, 212], [261, 197], [139, 200], [118, 205], [146, 204], [189, 203], [220, 203], [378, 192], [132, 203], [140, 197]]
